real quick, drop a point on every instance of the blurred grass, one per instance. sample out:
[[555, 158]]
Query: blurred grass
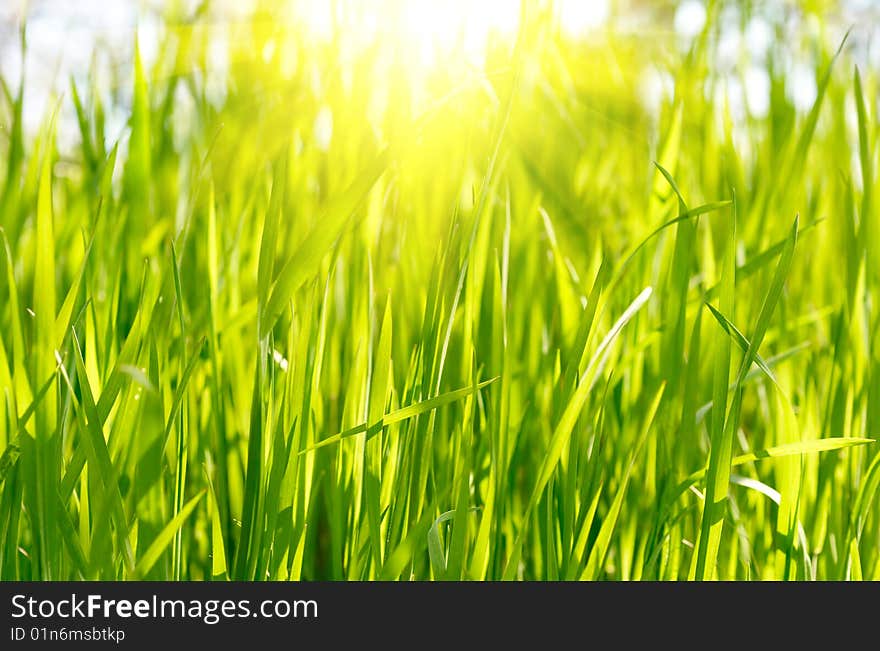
[[330, 314]]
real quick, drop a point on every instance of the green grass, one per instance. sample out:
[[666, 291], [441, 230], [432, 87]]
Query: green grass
[[507, 323]]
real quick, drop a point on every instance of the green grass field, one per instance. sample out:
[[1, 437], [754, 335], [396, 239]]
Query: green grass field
[[330, 310]]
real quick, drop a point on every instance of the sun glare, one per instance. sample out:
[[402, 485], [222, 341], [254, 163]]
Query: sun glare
[[439, 31], [443, 29], [434, 31]]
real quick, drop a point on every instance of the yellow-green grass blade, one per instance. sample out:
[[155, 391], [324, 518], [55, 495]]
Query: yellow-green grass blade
[[788, 449], [163, 540], [721, 439], [567, 421], [405, 413], [596, 559], [45, 468], [328, 227]]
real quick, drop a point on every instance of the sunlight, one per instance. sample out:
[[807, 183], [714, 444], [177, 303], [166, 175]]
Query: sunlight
[[444, 29], [578, 17], [436, 32], [440, 31]]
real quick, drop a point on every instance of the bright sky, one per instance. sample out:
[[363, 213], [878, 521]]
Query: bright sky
[[60, 33], [438, 29]]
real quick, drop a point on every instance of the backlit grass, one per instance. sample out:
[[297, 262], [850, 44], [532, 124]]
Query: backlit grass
[[330, 310]]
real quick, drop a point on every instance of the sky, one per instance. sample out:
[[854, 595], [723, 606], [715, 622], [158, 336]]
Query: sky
[[62, 36]]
